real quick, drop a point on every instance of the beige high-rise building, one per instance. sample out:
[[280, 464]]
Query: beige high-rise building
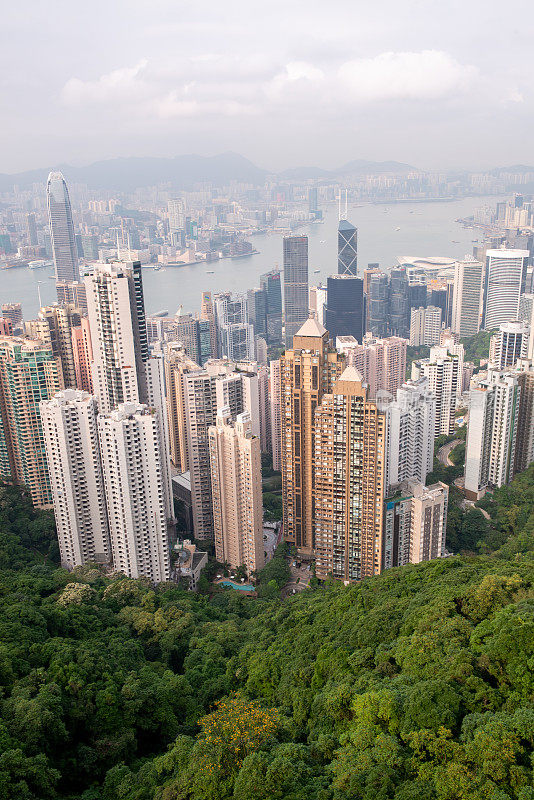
[[381, 362], [70, 432], [54, 326], [235, 462], [275, 399], [349, 469], [133, 469], [308, 371], [415, 523], [177, 364], [82, 352], [29, 373], [524, 448]]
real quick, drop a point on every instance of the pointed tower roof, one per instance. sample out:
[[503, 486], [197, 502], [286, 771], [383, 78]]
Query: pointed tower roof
[[312, 328], [351, 374]]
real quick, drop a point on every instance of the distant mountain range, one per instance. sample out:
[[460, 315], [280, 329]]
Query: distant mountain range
[[183, 172]]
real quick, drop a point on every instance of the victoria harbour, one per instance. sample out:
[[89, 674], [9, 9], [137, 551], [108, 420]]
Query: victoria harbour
[[385, 233]]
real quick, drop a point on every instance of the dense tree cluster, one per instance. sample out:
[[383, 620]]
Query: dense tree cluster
[[415, 685]]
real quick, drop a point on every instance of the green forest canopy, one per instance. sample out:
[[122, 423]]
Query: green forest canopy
[[414, 685]]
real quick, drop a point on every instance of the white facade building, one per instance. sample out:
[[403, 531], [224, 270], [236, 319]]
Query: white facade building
[[467, 303], [69, 422], [133, 470], [410, 426], [509, 344], [504, 284], [425, 326], [491, 433], [444, 371]]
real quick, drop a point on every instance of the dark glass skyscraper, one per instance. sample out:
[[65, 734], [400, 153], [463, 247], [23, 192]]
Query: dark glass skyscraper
[[347, 248], [257, 311], [417, 293], [399, 303], [295, 285], [61, 229], [344, 313], [271, 283], [378, 300]]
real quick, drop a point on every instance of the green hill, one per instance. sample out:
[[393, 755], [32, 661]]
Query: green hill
[[414, 685]]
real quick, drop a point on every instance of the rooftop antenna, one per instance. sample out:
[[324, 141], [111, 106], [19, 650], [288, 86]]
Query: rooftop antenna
[[39, 294], [129, 252], [118, 247], [339, 206], [346, 203]]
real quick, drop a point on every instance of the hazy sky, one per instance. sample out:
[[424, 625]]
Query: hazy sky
[[285, 83]]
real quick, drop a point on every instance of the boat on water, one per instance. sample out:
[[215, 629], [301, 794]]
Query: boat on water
[[316, 270], [40, 263], [397, 229], [163, 313], [210, 272], [323, 241]]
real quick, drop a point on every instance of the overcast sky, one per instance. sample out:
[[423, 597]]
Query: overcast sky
[[283, 82]]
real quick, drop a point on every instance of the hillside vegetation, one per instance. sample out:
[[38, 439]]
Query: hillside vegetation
[[414, 685]]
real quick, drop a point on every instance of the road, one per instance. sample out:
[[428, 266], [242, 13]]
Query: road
[[444, 452], [303, 576]]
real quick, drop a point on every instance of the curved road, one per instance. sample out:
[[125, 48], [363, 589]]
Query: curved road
[[444, 452]]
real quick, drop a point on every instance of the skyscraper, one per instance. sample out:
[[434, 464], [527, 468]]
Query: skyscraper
[[235, 464], [207, 314], [118, 333], [344, 314], [509, 344], [308, 371], [415, 522], [347, 248], [177, 364], [82, 353], [133, 468], [275, 398], [70, 432], [55, 326], [29, 373], [378, 304], [272, 285], [444, 372], [295, 285], [236, 334], [399, 305], [425, 326], [381, 362], [491, 433], [468, 296], [61, 229], [257, 311], [410, 423], [504, 284], [349, 481]]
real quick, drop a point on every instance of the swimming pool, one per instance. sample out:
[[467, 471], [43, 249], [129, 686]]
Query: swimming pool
[[243, 587]]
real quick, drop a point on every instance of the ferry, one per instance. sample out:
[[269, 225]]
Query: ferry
[[40, 263], [210, 272]]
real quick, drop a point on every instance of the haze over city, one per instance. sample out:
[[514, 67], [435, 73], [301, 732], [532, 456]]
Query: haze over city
[[436, 85]]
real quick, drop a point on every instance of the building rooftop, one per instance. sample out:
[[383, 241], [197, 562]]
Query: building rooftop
[[311, 328]]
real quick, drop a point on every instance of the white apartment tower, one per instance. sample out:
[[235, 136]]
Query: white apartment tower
[[425, 326], [410, 428], [133, 469], [444, 371], [70, 433], [468, 296], [235, 462], [509, 344], [491, 433], [506, 272]]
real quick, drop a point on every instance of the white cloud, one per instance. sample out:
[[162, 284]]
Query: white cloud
[[296, 74], [174, 105], [427, 75], [120, 84]]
